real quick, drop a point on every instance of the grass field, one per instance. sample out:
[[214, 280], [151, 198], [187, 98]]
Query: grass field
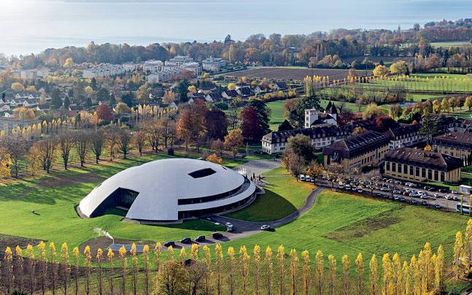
[[53, 199], [347, 224], [276, 113], [283, 196]]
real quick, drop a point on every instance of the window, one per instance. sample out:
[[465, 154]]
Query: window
[[202, 173]]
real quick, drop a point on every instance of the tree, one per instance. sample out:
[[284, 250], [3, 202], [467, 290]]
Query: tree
[[371, 110], [298, 154], [251, 126], [429, 127], [81, 145], [191, 124], [16, 147], [122, 108], [234, 141], [66, 142], [69, 63], [380, 71], [458, 255], [468, 103], [215, 159], [315, 170], [169, 97], [445, 104], [143, 93], [374, 275], [102, 94], [217, 146], [17, 87], [104, 113], [182, 88], [139, 138], [46, 150], [399, 68], [395, 111], [124, 141], [5, 163], [56, 101], [97, 140], [216, 124]]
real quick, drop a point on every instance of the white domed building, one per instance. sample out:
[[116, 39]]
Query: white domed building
[[170, 190]]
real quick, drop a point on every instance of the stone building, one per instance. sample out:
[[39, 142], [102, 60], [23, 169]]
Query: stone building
[[422, 166], [358, 151], [456, 144]]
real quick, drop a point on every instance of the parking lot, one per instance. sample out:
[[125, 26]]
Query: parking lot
[[396, 190]]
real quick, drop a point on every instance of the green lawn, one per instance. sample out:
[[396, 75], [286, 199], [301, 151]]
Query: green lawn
[[54, 198], [347, 224], [283, 196], [276, 113]]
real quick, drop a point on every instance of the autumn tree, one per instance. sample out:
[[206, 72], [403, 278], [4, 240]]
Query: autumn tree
[[16, 147], [371, 110], [298, 154], [234, 141], [216, 124], [468, 103], [104, 113], [399, 68], [191, 124], [380, 71]]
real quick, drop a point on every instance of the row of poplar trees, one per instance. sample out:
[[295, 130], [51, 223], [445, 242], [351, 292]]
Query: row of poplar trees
[[43, 269]]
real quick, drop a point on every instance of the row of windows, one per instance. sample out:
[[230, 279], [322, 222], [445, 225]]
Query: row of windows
[[225, 195], [418, 172]]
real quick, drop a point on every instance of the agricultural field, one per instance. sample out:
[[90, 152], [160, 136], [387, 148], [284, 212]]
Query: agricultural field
[[450, 44], [293, 73], [439, 83]]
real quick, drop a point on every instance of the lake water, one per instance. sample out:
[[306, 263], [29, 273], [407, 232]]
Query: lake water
[[34, 25]]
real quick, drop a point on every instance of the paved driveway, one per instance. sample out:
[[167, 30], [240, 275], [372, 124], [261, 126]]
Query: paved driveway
[[259, 167]]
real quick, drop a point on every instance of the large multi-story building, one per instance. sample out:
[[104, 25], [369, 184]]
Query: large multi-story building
[[422, 166], [404, 136], [358, 151], [212, 64], [456, 144], [321, 136]]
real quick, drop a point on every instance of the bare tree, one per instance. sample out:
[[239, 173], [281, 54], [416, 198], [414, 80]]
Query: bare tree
[[97, 141], [196, 273], [81, 145], [124, 142], [139, 138], [17, 147], [113, 138], [47, 150], [66, 142]]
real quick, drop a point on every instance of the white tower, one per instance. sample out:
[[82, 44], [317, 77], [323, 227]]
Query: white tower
[[311, 115]]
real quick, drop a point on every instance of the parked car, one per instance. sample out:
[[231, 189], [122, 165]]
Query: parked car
[[200, 239], [186, 241], [170, 243], [217, 236], [267, 227], [301, 177]]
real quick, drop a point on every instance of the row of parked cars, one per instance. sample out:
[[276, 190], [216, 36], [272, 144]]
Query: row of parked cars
[[199, 239]]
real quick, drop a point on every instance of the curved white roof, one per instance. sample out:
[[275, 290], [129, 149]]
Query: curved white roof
[[160, 184]]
